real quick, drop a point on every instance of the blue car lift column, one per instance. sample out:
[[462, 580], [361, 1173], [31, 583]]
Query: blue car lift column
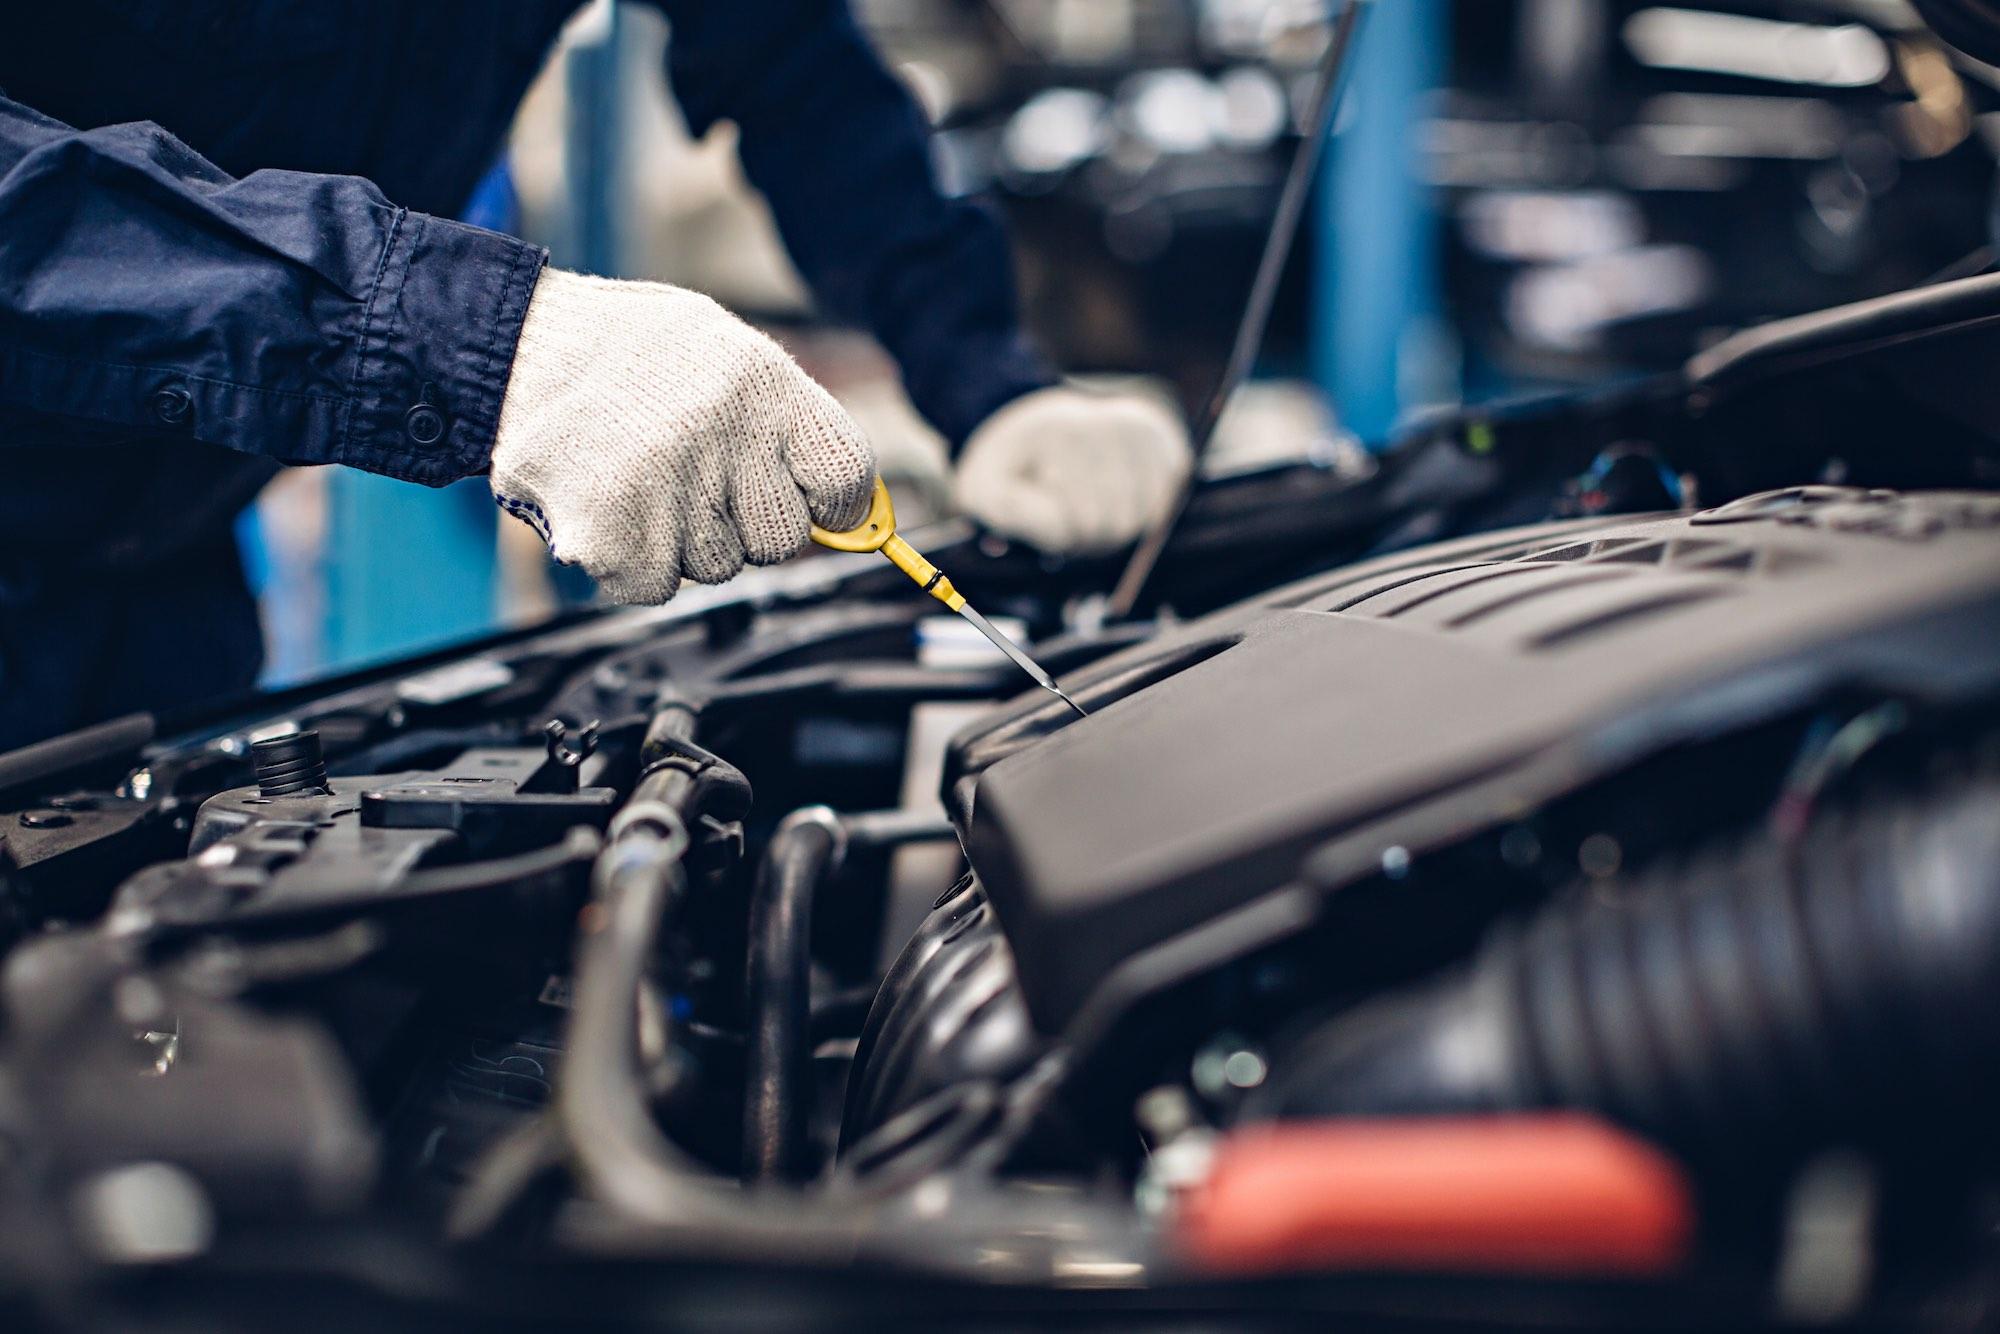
[[1376, 289]]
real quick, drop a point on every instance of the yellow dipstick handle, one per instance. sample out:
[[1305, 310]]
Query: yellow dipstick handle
[[877, 532], [911, 562]]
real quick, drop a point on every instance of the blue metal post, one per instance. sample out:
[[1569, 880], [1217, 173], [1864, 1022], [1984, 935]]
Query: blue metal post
[[599, 75], [593, 143], [408, 567], [1376, 285]]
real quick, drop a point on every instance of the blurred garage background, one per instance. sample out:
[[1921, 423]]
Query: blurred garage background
[[1521, 195]]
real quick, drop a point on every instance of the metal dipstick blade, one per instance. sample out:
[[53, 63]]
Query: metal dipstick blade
[[1063, 695], [1021, 659]]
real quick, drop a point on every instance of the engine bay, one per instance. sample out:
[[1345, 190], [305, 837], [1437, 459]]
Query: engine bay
[[1544, 876]]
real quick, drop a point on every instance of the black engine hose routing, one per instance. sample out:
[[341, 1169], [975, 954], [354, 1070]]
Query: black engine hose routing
[[602, 1105], [804, 853], [601, 1123], [676, 773], [806, 848], [662, 1197], [1754, 1002]]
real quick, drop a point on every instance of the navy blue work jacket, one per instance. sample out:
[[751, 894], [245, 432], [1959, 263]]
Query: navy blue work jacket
[[225, 245]]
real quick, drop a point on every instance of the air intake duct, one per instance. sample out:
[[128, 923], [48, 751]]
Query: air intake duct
[[1757, 1000]]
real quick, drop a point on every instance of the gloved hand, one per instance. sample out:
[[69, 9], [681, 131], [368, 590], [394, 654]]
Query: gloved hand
[[1073, 471], [649, 435]]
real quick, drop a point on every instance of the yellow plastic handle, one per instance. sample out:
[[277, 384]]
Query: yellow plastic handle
[[927, 576], [877, 532], [871, 534]]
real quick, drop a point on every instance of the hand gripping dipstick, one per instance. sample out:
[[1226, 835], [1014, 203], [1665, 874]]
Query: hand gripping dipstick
[[877, 532]]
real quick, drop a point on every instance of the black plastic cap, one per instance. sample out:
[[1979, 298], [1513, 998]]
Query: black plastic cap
[[289, 765]]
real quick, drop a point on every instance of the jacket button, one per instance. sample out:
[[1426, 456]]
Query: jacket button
[[173, 405], [424, 424]]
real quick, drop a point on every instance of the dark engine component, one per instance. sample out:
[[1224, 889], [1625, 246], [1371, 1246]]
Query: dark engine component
[[298, 844], [288, 765], [1237, 774], [1758, 1000], [1667, 839], [1973, 26], [949, 1017]]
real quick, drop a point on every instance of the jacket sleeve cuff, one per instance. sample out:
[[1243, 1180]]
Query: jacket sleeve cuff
[[435, 348]]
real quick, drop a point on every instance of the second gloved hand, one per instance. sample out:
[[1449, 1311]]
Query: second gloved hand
[[1073, 471], [649, 436]]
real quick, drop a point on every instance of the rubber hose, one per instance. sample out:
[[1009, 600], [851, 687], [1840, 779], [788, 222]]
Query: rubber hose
[[803, 851], [1755, 999]]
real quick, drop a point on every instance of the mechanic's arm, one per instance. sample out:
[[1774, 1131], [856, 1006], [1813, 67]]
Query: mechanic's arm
[[303, 317], [842, 153]]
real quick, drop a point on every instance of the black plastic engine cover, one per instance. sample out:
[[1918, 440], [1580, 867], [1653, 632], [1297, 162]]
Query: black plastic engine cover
[[1235, 771]]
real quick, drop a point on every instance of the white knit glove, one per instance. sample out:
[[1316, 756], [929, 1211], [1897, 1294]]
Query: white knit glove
[[1073, 471], [649, 435]]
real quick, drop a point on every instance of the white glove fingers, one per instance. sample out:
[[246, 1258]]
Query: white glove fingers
[[711, 551], [647, 567], [1083, 511], [1165, 463], [1085, 472], [831, 462], [637, 583], [986, 486], [1020, 508], [1074, 471], [1112, 487], [714, 552], [769, 510], [650, 435], [637, 588], [1125, 487]]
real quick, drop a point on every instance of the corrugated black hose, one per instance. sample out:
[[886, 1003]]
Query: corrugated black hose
[[1751, 1003]]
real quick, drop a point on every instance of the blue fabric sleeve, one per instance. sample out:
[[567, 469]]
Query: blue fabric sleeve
[[143, 291]]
